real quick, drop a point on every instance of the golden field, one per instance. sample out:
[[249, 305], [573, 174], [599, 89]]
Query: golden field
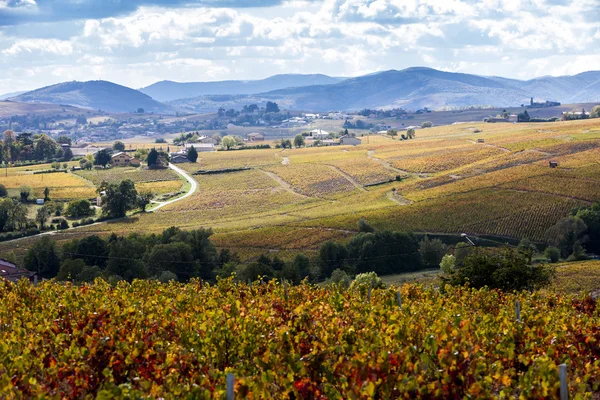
[[294, 199]]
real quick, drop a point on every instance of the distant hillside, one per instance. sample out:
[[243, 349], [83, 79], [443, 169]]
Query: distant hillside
[[9, 95], [95, 95], [415, 88], [169, 90]]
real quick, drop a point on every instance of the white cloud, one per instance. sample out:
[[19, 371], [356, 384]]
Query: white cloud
[[36, 46], [511, 38]]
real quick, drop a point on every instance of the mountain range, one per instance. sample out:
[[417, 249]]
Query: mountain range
[[410, 88], [169, 90]]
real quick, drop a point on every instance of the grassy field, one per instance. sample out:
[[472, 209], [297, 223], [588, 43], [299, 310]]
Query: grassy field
[[294, 199]]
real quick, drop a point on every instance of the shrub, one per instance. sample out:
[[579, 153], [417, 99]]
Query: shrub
[[506, 270], [339, 277], [167, 276], [365, 280], [552, 254], [3, 191]]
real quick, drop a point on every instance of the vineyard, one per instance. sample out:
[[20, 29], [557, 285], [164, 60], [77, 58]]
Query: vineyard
[[447, 183], [116, 175], [63, 186], [148, 339]]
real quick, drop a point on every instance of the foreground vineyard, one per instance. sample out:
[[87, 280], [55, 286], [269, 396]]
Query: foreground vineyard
[[149, 339]]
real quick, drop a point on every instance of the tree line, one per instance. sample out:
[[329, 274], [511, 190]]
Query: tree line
[[23, 147]]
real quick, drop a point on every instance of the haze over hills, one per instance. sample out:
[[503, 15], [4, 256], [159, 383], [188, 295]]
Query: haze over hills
[[410, 88], [414, 88], [169, 90], [95, 95], [9, 95]]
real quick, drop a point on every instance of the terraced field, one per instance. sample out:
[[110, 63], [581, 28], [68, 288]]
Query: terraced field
[[449, 184]]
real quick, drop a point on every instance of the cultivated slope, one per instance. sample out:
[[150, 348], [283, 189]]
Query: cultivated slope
[[97, 95]]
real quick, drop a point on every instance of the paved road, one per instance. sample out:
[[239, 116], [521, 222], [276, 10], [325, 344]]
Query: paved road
[[192, 181]]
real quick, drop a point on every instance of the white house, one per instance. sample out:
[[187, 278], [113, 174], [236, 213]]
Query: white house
[[207, 140], [348, 140], [201, 147], [318, 134]]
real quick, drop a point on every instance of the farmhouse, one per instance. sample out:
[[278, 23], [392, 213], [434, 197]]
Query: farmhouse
[[318, 134], [201, 147], [256, 137], [207, 140], [12, 273], [348, 140], [178, 158], [122, 159], [330, 142]]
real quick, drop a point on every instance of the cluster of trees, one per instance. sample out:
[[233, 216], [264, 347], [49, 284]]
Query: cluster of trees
[[578, 233], [253, 115], [506, 269], [390, 113], [29, 147], [172, 255], [358, 124], [410, 134]]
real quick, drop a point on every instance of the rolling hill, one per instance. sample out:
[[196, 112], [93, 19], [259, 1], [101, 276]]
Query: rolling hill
[[169, 90], [414, 88], [96, 95]]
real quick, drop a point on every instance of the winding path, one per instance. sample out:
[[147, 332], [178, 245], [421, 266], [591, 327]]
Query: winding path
[[192, 181]]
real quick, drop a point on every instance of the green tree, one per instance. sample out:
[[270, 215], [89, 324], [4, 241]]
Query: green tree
[[176, 257], [228, 142], [24, 192], [63, 139], [339, 277], [565, 233], [427, 124], [67, 154], [383, 252], [70, 270], [578, 252], [43, 258], [523, 117], [271, 107], [3, 191], [595, 113], [42, 216], [140, 110], [432, 251], [13, 215], [144, 198], [45, 148], [92, 249], [552, 254], [119, 198], [125, 259], [102, 157], [504, 269], [299, 141], [461, 251], [410, 133], [152, 159], [331, 256], [527, 248], [46, 193], [118, 146], [192, 154], [79, 208]]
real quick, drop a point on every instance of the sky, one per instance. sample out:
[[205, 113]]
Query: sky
[[138, 42]]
